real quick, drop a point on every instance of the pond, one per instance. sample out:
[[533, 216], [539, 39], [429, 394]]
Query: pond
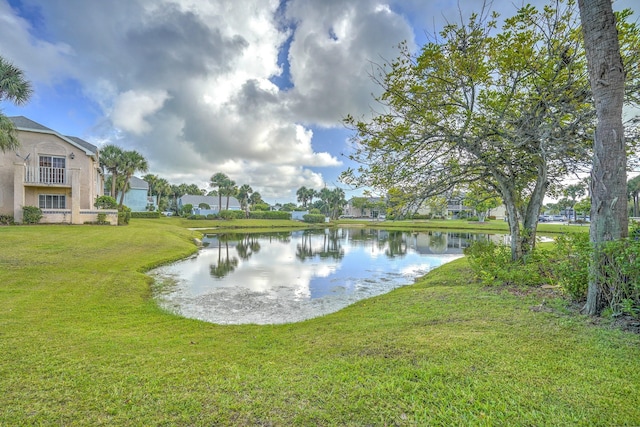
[[283, 277]]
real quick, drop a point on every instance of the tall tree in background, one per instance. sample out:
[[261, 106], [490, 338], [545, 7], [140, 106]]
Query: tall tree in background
[[130, 163], [244, 192], [219, 180], [608, 176], [15, 88], [110, 157]]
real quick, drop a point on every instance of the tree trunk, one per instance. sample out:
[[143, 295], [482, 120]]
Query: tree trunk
[[530, 223], [507, 192], [114, 178], [608, 176], [124, 188]]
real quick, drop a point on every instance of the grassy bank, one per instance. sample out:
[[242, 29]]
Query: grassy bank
[[82, 343]]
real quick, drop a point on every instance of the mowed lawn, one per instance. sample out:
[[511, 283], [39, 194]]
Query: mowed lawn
[[83, 343]]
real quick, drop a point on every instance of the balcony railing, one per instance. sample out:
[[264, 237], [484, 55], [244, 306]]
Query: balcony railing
[[46, 175]]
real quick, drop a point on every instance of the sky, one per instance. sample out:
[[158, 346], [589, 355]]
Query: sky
[[256, 89]]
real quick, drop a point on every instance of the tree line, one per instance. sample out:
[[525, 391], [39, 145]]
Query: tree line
[[330, 202]]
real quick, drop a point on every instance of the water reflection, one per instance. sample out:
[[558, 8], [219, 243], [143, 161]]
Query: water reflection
[[291, 276]]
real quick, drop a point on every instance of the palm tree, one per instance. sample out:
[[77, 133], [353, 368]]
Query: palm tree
[[14, 88], [311, 193], [152, 180], [219, 180], [243, 197], [110, 160], [230, 190], [162, 188], [131, 162], [255, 198], [302, 194]]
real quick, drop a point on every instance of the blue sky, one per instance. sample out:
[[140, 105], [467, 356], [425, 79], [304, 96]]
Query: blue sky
[[256, 89]]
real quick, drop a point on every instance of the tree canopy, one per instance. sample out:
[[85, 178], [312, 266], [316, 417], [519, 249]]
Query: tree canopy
[[511, 108], [14, 87]]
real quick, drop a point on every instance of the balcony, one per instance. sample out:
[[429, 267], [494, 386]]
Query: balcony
[[48, 176]]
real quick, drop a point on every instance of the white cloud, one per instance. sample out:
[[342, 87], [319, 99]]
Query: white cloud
[[190, 83], [131, 108]]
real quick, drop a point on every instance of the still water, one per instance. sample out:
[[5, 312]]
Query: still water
[[282, 277]]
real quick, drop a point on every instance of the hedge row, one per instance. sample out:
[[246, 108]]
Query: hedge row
[[145, 214]]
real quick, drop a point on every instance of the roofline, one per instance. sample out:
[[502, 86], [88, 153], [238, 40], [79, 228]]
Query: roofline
[[54, 133]]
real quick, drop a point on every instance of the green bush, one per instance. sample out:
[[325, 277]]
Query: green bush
[[102, 219], [106, 202], [146, 214], [621, 284], [269, 215], [31, 214], [197, 217], [186, 210], [231, 214], [571, 254], [6, 219], [491, 263], [421, 216], [313, 218], [124, 215]]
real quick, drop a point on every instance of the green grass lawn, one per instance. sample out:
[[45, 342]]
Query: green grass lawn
[[83, 343]]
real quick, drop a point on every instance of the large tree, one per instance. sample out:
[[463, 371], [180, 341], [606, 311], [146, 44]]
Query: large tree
[[608, 175], [511, 109], [16, 89]]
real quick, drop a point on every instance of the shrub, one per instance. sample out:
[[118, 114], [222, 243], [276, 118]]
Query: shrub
[[146, 214], [572, 253], [6, 219], [621, 278], [106, 202], [231, 214], [421, 216], [124, 215], [31, 214], [186, 210], [491, 262], [102, 219], [269, 215], [313, 218]]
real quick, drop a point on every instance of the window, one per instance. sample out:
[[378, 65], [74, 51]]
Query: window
[[52, 170], [52, 201]]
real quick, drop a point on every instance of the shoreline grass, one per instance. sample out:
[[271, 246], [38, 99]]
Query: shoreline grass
[[83, 343]]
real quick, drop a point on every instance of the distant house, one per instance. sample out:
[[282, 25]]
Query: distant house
[[136, 198], [59, 174], [211, 201], [375, 208]]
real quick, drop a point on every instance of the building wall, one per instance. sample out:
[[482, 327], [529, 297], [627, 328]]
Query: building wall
[[135, 199], [83, 168]]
